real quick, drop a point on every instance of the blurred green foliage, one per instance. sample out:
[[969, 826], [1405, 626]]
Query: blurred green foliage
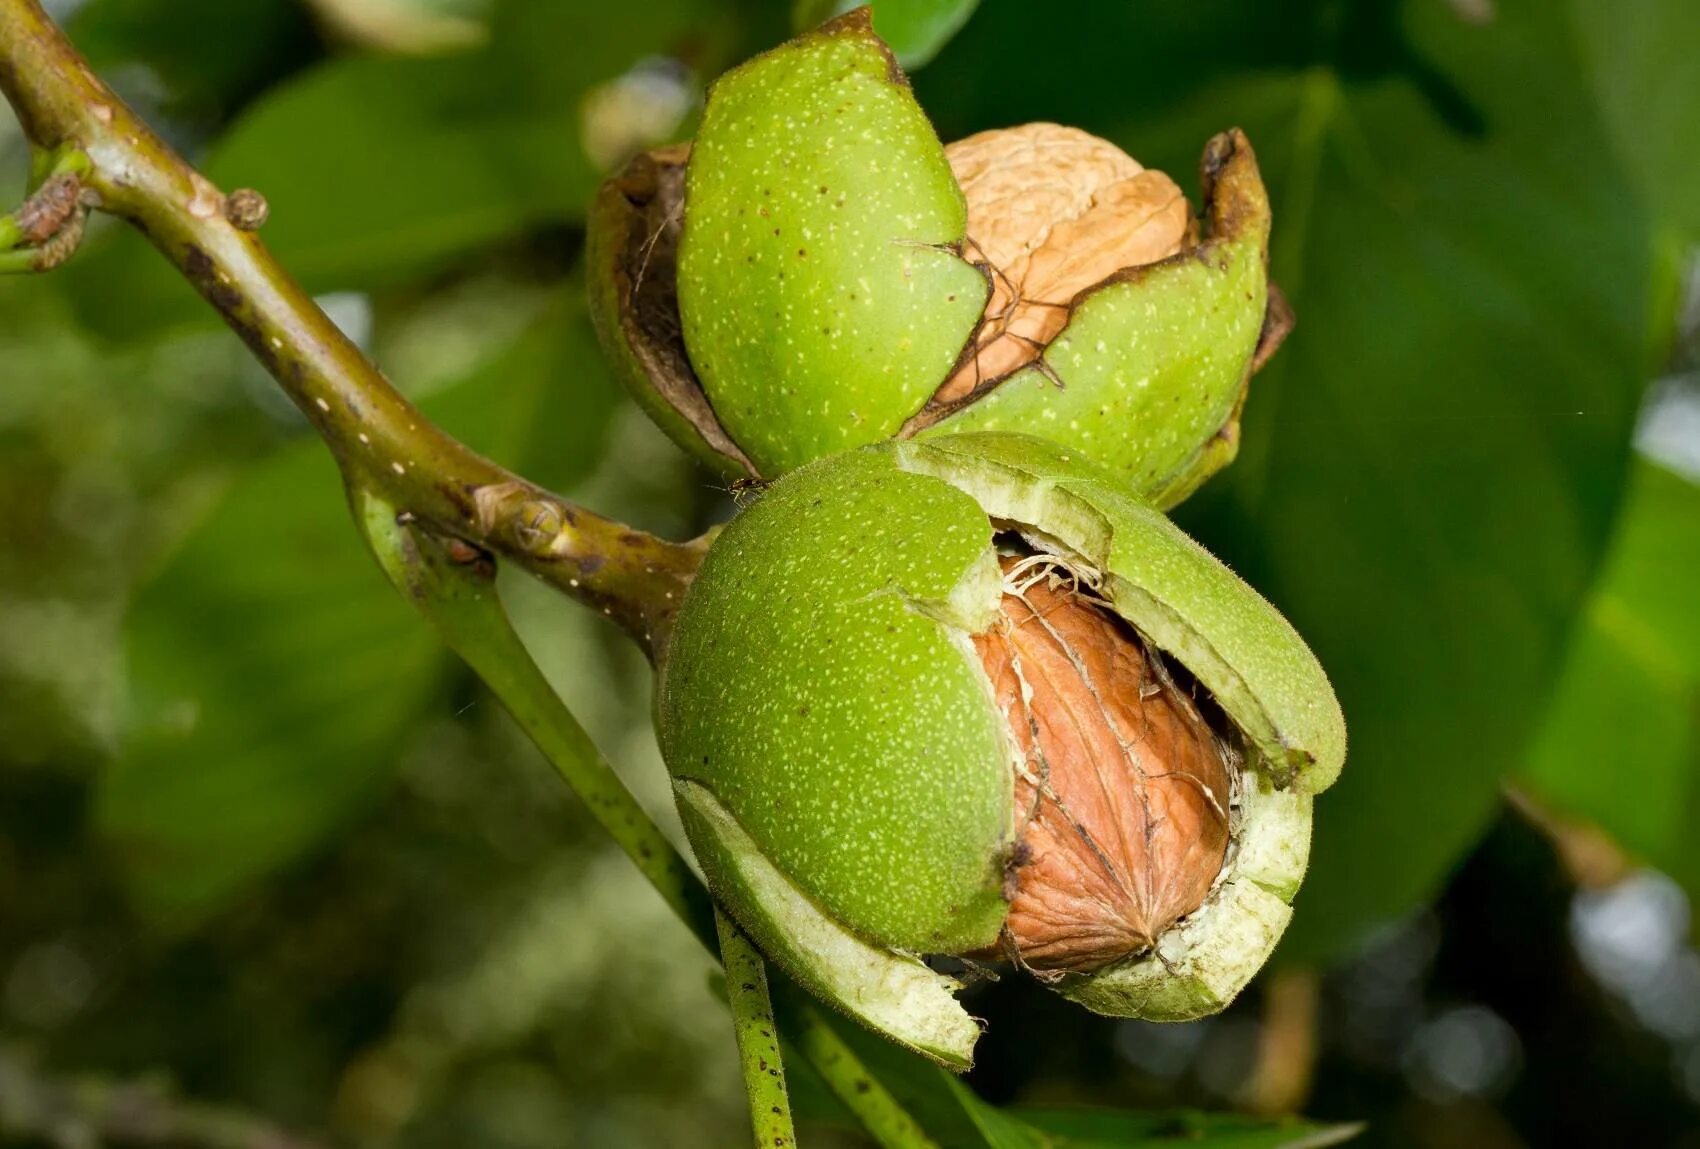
[[1431, 463], [1622, 738], [220, 783], [915, 29], [258, 830]]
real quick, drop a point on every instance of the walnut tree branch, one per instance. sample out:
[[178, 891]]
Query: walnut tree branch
[[380, 440]]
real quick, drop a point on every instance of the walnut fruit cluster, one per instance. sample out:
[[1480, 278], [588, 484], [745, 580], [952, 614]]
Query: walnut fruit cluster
[[952, 686]]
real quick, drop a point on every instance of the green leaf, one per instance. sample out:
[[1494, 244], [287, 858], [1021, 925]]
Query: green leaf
[[1621, 743], [1117, 73], [413, 175], [1640, 56], [1431, 464], [275, 674], [550, 53], [995, 1129], [1084, 1129], [380, 170], [211, 54], [956, 1118], [915, 29]]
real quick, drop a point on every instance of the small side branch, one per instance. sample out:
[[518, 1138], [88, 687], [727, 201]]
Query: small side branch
[[48, 228], [380, 440], [71, 1113]]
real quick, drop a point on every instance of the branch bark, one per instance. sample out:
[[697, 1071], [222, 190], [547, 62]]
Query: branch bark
[[403, 473], [379, 439]]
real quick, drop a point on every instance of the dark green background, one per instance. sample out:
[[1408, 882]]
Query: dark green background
[[259, 833]]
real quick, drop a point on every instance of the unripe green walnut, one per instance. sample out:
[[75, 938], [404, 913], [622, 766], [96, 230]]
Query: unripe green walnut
[[967, 696], [818, 273]]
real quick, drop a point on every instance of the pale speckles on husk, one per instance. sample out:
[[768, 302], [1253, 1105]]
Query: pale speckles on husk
[[835, 288], [812, 686], [892, 992], [820, 285]]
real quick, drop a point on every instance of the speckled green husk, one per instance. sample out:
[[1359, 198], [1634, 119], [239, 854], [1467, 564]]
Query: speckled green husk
[[812, 685], [1147, 378], [820, 287], [794, 284], [843, 772]]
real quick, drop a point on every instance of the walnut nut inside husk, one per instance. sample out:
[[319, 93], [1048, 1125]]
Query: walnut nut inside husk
[[1052, 211], [1122, 791], [1097, 759], [835, 276]]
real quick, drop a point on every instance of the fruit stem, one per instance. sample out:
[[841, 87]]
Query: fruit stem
[[829, 1055], [456, 592], [758, 1040]]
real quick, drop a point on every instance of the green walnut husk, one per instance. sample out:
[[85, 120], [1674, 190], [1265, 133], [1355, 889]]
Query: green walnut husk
[[848, 781], [802, 280]]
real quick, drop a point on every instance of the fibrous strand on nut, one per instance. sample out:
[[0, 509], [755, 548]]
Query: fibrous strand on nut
[[1122, 790]]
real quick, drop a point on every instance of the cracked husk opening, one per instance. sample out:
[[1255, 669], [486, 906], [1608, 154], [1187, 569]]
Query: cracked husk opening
[[1052, 211], [649, 196], [1123, 792], [1242, 710], [1054, 215]]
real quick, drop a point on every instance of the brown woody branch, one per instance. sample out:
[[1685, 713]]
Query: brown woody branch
[[380, 440]]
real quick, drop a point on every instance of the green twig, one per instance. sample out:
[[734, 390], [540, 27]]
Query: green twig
[[758, 1043], [18, 261], [378, 437], [453, 585], [885, 1119]]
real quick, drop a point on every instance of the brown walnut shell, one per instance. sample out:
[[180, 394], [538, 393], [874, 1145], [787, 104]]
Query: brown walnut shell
[[1052, 211], [1122, 790]]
